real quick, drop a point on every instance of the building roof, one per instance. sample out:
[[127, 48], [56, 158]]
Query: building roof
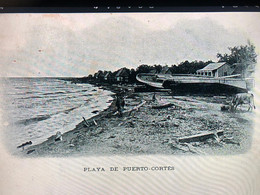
[[99, 74], [109, 73], [122, 72], [212, 66], [165, 70]]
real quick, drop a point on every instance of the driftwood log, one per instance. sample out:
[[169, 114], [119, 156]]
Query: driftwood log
[[135, 108], [25, 144], [162, 103], [132, 109], [200, 137], [162, 106]]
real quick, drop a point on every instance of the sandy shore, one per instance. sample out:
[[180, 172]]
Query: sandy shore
[[155, 131]]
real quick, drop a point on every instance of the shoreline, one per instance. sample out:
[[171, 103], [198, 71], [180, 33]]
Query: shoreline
[[81, 126], [153, 131]]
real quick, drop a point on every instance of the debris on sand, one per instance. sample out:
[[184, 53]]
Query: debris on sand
[[135, 108], [175, 145], [72, 142], [88, 124], [230, 141], [193, 149], [30, 151], [200, 137], [197, 127], [95, 111], [25, 144], [225, 108], [162, 103], [58, 136], [95, 123], [98, 132], [167, 105]]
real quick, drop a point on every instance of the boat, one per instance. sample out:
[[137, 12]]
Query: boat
[[149, 80], [197, 84]]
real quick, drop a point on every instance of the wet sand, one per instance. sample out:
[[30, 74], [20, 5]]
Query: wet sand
[[155, 131]]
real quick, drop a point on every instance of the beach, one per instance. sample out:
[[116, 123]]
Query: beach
[[147, 129]]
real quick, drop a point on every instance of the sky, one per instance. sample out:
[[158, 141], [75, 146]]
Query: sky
[[35, 45]]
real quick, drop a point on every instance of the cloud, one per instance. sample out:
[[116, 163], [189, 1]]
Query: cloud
[[80, 44]]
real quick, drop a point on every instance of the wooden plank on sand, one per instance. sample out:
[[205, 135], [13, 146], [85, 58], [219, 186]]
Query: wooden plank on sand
[[200, 137], [135, 108]]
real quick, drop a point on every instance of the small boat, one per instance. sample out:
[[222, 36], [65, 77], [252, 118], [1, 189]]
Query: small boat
[[150, 80], [183, 83]]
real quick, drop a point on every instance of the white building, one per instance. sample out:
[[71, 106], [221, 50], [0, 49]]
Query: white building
[[218, 69]]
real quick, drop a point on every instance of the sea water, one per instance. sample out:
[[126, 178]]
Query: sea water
[[33, 109]]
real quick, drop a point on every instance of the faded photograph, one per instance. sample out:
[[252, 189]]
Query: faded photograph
[[127, 84]]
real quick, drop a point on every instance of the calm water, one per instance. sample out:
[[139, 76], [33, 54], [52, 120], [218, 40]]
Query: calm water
[[33, 109]]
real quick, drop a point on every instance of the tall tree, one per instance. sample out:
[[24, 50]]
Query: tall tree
[[158, 68], [240, 54], [189, 67], [143, 69]]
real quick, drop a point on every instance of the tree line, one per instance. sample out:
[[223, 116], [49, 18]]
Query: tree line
[[185, 67], [239, 54]]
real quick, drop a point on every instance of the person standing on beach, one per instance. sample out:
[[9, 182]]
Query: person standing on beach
[[120, 103]]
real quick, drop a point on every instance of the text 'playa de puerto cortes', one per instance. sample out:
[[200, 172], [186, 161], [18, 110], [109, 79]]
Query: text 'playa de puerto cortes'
[[128, 169]]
